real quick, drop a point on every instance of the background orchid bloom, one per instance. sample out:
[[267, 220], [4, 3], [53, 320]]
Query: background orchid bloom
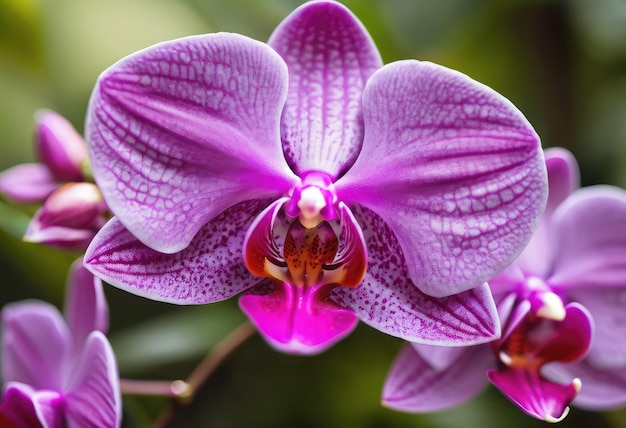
[[326, 186], [62, 153], [577, 255], [60, 373]]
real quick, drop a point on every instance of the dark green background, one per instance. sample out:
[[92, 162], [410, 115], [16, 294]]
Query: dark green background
[[563, 63]]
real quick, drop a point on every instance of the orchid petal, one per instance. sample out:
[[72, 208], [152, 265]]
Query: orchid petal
[[86, 308], [298, 319], [60, 147], [603, 389], [65, 238], [28, 182], [388, 301], [18, 408], [535, 395], [606, 305], [330, 56], [592, 237], [209, 270], [414, 385], [93, 397], [454, 169], [440, 358], [35, 343], [260, 244], [563, 178], [181, 131]]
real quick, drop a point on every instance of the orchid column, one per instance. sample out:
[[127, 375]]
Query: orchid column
[[325, 186]]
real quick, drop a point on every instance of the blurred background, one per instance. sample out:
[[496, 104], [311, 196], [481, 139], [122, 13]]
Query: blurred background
[[563, 63]]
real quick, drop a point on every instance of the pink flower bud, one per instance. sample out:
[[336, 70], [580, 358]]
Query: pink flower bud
[[69, 218], [60, 147]]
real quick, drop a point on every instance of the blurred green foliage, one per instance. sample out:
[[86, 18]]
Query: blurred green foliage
[[562, 62]]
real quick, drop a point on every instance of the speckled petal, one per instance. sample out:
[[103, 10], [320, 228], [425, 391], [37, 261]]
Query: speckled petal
[[36, 344], [413, 385], [28, 182], [330, 56], [592, 237], [454, 169], [182, 130], [209, 270], [86, 307], [388, 301], [93, 397]]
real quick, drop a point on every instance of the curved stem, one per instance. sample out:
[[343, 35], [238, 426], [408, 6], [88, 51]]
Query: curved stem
[[204, 370]]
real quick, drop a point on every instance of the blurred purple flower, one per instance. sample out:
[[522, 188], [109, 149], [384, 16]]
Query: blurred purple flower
[[388, 194], [62, 153], [60, 373], [576, 255]]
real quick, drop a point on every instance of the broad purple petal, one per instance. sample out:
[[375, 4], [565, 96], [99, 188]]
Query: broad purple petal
[[36, 344], [210, 269], [183, 130], [592, 236], [414, 385], [28, 182], [330, 56], [440, 357], [86, 308], [602, 389], [533, 394], [93, 397], [388, 301], [454, 169], [60, 147], [298, 319], [606, 306]]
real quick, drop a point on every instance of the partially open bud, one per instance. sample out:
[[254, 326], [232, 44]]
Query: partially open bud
[[60, 147], [70, 217]]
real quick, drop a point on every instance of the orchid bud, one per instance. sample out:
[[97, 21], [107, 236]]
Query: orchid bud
[[60, 147], [69, 218]]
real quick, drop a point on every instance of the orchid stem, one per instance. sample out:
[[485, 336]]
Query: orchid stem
[[203, 371], [175, 389]]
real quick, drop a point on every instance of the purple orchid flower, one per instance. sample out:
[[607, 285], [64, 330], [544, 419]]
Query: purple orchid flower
[[576, 255], [388, 194], [62, 152], [60, 373]]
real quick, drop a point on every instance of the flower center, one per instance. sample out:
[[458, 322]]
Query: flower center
[[313, 200]]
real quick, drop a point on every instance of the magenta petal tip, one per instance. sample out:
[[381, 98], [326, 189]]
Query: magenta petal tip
[[297, 319]]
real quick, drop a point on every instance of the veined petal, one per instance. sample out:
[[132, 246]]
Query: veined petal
[[563, 178], [388, 301], [86, 308], [414, 385], [591, 239], [94, 398], [210, 269], [181, 131], [36, 345], [603, 388], [330, 56], [454, 169], [28, 182], [606, 306], [440, 357], [535, 395], [298, 319]]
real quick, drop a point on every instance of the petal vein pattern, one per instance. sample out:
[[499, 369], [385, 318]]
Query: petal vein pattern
[[453, 168], [181, 131]]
